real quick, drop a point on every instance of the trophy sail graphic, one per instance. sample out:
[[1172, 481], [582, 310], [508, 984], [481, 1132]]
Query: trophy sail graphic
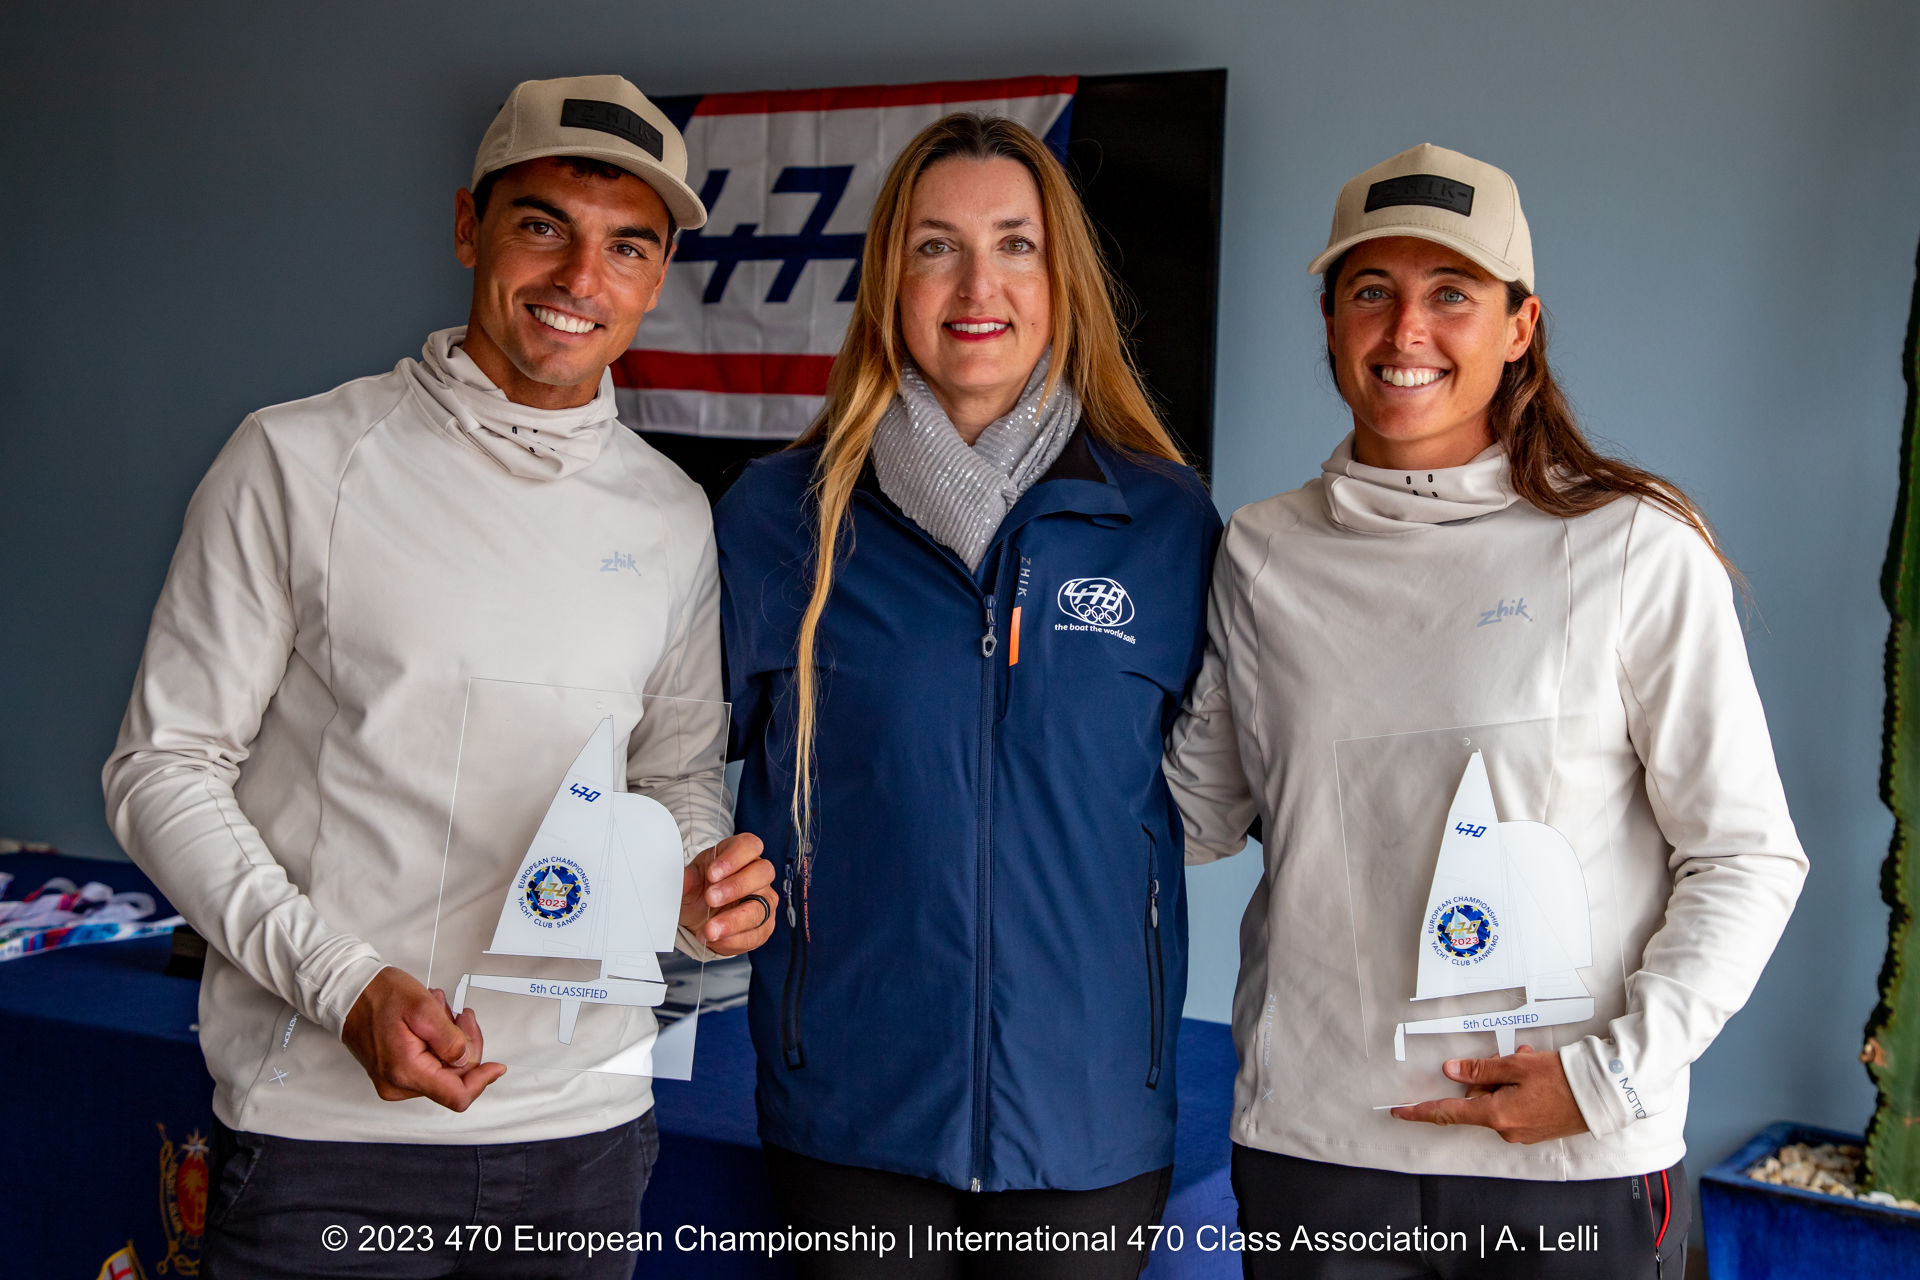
[[600, 882], [1507, 910]]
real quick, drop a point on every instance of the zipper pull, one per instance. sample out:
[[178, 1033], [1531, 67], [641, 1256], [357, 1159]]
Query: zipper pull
[[786, 891], [975, 1186], [1153, 906], [989, 642]]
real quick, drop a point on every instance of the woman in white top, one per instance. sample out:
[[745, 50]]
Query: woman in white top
[[1486, 692]]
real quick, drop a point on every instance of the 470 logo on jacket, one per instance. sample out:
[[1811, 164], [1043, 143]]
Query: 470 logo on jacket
[[1099, 604]]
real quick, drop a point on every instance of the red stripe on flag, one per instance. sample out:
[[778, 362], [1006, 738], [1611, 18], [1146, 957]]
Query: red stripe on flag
[[748, 373], [867, 97]]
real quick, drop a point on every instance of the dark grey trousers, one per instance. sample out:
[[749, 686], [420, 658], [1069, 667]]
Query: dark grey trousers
[[287, 1207], [816, 1196], [1334, 1222]]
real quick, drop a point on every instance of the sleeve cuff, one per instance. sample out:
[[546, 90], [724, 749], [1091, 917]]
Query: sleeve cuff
[[341, 980], [1200, 854], [1603, 1086]]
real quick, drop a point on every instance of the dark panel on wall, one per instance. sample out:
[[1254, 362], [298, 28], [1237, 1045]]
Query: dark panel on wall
[[714, 462], [1146, 152]]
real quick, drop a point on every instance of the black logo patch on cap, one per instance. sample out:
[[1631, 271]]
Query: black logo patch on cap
[[1421, 188], [611, 117]]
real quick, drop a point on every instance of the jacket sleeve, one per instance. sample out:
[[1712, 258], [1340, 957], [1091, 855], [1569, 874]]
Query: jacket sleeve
[[1203, 762], [1696, 722], [221, 638], [742, 538], [677, 753]]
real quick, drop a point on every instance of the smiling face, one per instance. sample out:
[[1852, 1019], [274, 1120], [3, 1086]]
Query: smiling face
[[1419, 338], [565, 262], [975, 297]]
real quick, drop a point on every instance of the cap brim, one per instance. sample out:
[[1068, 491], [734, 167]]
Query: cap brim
[[688, 213], [1459, 244]]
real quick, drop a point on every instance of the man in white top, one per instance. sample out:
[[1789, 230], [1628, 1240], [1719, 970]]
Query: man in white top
[[352, 568]]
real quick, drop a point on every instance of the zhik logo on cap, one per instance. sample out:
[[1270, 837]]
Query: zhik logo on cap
[[611, 117], [1421, 188]]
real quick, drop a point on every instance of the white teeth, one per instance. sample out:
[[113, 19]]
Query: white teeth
[[564, 323], [989, 327], [1408, 377]]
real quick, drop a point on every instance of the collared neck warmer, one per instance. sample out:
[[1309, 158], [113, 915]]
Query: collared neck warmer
[[538, 444], [960, 494], [1367, 499]]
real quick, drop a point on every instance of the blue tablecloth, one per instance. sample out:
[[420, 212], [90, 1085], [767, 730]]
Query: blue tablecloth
[[106, 1093]]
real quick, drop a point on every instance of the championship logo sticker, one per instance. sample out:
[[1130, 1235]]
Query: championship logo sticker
[[553, 892], [183, 1202], [1464, 930]]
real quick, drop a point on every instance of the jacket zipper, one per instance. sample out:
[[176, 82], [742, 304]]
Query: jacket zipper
[[796, 981], [1156, 969], [983, 930], [989, 643]]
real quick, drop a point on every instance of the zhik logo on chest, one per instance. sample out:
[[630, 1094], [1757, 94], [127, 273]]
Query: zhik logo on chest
[[1504, 609], [618, 561]]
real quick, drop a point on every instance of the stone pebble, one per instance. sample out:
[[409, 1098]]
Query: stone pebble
[[1830, 1168]]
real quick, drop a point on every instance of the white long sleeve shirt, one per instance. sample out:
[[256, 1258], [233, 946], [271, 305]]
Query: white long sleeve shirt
[[1367, 633], [351, 567]]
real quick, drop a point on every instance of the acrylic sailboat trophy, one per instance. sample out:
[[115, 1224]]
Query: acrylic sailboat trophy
[[1508, 909], [600, 882]]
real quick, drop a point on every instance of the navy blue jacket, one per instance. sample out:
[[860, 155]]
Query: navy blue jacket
[[986, 979]]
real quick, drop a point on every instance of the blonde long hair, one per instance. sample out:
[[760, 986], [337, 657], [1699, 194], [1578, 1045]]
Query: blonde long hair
[[1088, 351]]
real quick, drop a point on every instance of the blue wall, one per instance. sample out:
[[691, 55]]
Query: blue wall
[[213, 207]]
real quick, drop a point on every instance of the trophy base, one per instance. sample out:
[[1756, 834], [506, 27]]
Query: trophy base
[[1504, 1025], [571, 995]]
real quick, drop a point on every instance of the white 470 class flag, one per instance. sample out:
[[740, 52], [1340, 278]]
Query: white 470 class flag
[[756, 302]]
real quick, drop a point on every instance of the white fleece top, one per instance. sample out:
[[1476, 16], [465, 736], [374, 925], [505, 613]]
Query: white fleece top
[[286, 768], [1368, 632]]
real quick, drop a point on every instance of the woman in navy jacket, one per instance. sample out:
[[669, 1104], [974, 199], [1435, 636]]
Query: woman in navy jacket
[[960, 615]]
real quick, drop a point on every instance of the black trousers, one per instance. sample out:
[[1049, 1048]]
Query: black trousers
[[1311, 1220], [284, 1207], [815, 1196]]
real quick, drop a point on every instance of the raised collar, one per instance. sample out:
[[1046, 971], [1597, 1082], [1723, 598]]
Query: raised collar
[[1376, 500], [535, 444]]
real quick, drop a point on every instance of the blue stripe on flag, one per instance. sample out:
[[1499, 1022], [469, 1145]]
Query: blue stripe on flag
[[1062, 130]]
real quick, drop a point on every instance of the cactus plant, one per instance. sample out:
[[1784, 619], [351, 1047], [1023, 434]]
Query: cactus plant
[[1892, 1053]]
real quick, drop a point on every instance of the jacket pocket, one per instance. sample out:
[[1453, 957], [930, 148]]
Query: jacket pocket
[[791, 1048], [237, 1158], [1156, 968]]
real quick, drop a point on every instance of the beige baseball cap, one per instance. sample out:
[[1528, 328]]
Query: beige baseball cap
[[601, 118], [1435, 194]]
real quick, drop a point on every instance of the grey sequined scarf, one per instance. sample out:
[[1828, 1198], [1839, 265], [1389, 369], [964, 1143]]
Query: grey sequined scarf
[[960, 495]]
